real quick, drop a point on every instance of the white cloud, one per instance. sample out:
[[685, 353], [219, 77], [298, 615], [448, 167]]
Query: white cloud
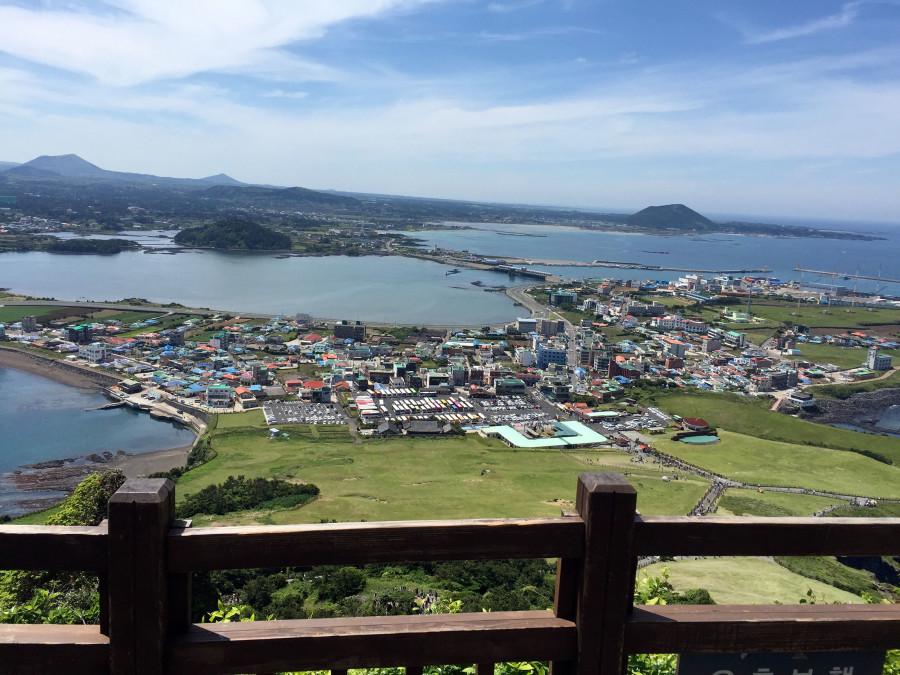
[[846, 16], [512, 6], [150, 40]]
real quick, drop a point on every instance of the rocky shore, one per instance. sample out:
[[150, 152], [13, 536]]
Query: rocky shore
[[863, 410], [38, 486]]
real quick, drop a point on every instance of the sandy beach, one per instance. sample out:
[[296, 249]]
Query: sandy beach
[[145, 463]]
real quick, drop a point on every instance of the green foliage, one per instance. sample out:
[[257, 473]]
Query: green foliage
[[43, 597], [337, 584], [240, 493], [230, 614], [658, 590], [87, 505], [47, 607], [234, 234], [93, 246]]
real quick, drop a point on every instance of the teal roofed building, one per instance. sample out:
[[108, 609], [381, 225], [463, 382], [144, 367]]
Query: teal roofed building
[[565, 434]]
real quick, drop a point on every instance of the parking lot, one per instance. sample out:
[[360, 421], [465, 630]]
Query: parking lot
[[511, 410], [649, 419], [300, 412], [454, 409]]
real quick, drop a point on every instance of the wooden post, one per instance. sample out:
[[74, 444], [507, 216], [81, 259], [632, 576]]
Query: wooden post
[[180, 586], [140, 513], [606, 502]]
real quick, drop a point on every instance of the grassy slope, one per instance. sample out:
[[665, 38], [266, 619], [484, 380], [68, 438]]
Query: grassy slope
[[745, 502], [751, 416], [747, 581], [405, 478], [761, 461]]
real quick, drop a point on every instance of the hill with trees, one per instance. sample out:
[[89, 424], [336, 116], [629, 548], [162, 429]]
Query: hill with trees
[[234, 234], [670, 216]]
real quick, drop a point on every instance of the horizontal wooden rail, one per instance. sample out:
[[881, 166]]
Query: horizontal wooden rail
[[705, 535], [762, 628], [74, 650], [144, 563], [53, 547], [382, 641], [212, 548]]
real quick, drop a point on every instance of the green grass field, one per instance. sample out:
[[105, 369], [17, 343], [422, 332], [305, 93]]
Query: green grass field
[[843, 357], [746, 502], [408, 478], [823, 316], [16, 312], [747, 581], [760, 461], [751, 416]]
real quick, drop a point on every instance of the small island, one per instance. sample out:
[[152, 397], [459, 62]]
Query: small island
[[234, 234], [91, 246]]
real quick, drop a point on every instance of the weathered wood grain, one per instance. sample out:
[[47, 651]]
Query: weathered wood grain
[[52, 547], [411, 641], [710, 535], [41, 649], [762, 628], [212, 548]]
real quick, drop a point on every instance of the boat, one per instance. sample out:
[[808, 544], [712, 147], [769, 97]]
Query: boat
[[449, 272]]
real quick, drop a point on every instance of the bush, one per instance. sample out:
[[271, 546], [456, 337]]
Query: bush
[[87, 505], [340, 583], [239, 493]]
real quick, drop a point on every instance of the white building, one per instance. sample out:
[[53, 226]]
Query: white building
[[524, 357], [94, 352], [679, 323], [877, 361]]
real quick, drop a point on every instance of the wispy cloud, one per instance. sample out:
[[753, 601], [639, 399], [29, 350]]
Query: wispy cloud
[[147, 40], [281, 93], [512, 6], [846, 16], [538, 34]]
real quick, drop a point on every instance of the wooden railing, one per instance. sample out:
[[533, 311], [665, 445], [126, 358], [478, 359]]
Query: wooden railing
[[145, 558]]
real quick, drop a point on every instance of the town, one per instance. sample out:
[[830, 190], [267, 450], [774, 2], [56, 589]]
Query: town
[[572, 374]]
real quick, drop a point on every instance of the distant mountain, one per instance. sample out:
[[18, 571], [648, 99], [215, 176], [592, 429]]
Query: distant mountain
[[73, 167], [221, 179], [234, 234], [288, 197], [8, 165], [670, 216], [70, 166]]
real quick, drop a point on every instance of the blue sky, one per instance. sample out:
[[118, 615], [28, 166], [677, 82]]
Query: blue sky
[[762, 107]]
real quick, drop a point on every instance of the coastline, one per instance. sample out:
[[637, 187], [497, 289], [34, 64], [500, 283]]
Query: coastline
[[45, 367], [31, 488]]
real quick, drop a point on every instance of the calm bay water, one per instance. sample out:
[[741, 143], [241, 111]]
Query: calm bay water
[[712, 251], [404, 290], [42, 419], [373, 288]]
